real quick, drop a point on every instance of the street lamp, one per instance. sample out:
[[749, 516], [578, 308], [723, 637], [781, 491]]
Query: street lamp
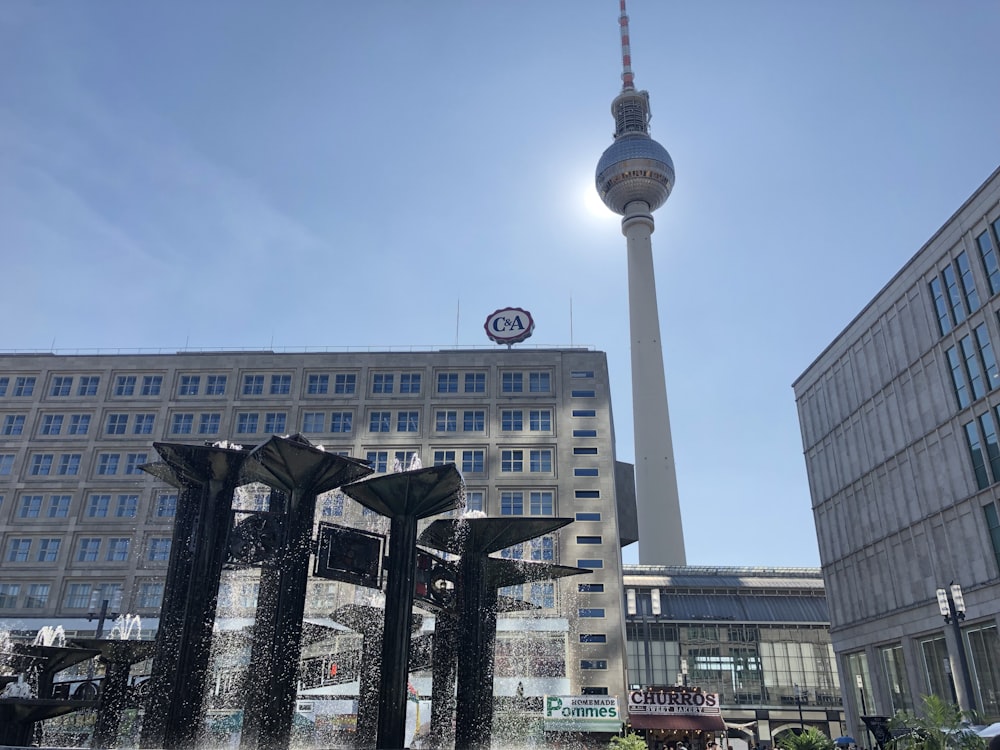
[[951, 678], [859, 681], [100, 607], [800, 695], [951, 604], [682, 677]]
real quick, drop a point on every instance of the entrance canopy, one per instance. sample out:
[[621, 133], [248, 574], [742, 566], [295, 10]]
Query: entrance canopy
[[705, 723]]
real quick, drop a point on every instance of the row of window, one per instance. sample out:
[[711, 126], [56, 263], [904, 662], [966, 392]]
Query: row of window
[[88, 549], [953, 288], [149, 595], [280, 384], [210, 423], [973, 366]]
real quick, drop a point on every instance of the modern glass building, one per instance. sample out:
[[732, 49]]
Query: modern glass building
[[899, 419], [756, 637], [530, 430]]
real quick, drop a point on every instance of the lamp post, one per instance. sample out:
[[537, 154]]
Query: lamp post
[[100, 607], [951, 604], [859, 681], [799, 694], [951, 678], [682, 678]]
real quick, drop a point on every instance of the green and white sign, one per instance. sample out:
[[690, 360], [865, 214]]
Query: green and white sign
[[582, 713]]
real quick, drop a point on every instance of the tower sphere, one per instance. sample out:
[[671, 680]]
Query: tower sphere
[[634, 168]]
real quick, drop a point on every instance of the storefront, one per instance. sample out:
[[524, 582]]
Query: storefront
[[675, 716], [581, 720]]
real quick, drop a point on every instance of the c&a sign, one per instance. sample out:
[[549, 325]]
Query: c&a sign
[[509, 325]]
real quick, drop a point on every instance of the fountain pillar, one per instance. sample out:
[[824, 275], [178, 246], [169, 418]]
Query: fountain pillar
[[443, 680]]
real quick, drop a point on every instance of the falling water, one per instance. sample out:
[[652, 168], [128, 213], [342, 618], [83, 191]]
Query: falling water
[[50, 636], [126, 628]]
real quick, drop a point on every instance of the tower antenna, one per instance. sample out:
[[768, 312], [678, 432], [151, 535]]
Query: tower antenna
[[628, 79]]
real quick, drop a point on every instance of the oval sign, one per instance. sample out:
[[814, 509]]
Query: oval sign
[[509, 325]]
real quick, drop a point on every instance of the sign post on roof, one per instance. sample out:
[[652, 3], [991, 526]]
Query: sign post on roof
[[509, 325]]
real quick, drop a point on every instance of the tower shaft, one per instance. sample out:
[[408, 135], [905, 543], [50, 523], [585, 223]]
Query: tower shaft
[[661, 539]]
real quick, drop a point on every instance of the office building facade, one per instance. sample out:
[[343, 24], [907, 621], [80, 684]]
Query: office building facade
[[531, 431], [899, 419]]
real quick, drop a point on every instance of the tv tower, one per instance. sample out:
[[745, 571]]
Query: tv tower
[[634, 177]]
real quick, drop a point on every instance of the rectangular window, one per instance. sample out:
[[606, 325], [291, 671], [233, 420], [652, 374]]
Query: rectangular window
[[993, 526], [583, 393], [988, 254], [954, 297], [117, 424], [474, 420], [584, 451], [379, 421], [166, 504], [539, 382], [69, 464], [24, 386], [444, 457], [158, 550], [59, 506], [345, 383], [593, 638], [543, 595], [150, 595], [591, 612], [125, 385], [940, 306], [97, 506], [246, 422], [382, 382], [6, 464], [117, 549], [511, 420], [584, 412], [540, 502], [446, 421], [968, 284], [77, 596], [512, 382], [88, 548], [41, 464], [208, 424], [578, 472], [972, 368], [281, 385], [31, 506], [977, 455], [511, 503], [143, 424], [581, 374], [151, 385], [590, 588], [409, 382], [13, 424], [37, 596], [584, 433], [447, 382], [589, 540], [314, 421], [8, 595], [4, 384], [341, 421], [592, 563], [215, 385], [379, 460], [133, 461], [540, 420], [253, 385], [318, 384], [107, 463], [473, 461], [189, 385], [79, 424], [584, 516], [182, 424], [61, 386], [408, 421], [274, 422], [986, 356], [511, 460], [475, 382], [18, 550], [88, 385], [593, 663], [51, 424], [475, 500], [540, 461]]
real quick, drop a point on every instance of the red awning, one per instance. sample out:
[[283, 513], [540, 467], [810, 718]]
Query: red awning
[[706, 723]]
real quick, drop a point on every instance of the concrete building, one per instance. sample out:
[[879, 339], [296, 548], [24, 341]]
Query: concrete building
[[531, 430], [899, 419], [756, 637]]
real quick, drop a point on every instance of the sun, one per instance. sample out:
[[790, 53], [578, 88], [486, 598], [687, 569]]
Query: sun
[[593, 204]]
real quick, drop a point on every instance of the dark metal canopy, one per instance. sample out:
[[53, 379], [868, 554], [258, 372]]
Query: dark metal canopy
[[421, 492], [502, 572], [194, 464], [287, 463], [162, 470], [486, 535]]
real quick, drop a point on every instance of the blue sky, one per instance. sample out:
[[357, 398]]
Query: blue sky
[[251, 174]]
